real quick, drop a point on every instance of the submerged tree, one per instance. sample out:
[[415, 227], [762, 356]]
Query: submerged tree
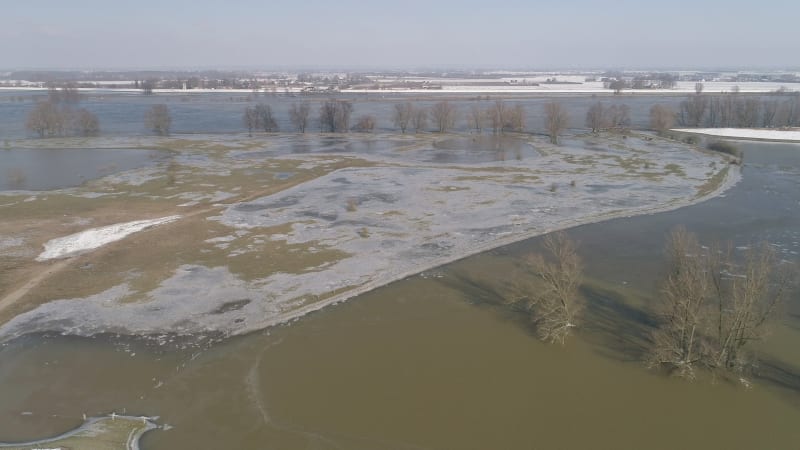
[[85, 123], [403, 113], [713, 305], [443, 115], [684, 305], [419, 119], [475, 118], [298, 115], [47, 119], [556, 305], [662, 118], [618, 117], [250, 119], [365, 124], [334, 116], [265, 117], [595, 117], [555, 120], [158, 119]]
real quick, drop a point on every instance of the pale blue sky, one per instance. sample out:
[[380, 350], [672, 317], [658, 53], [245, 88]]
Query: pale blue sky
[[402, 34]]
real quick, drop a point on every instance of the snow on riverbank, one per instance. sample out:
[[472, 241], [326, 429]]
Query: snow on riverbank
[[747, 133], [96, 237]]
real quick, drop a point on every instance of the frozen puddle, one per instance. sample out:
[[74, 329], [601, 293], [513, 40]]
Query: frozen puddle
[[96, 237]]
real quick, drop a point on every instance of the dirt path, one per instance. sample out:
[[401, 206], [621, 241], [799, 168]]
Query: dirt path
[[37, 279]]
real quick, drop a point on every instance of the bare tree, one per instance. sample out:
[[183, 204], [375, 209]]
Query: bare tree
[[556, 304], [365, 124], [147, 86], [266, 120], [496, 114], [769, 110], [443, 115], [334, 116], [16, 177], [475, 118], [419, 119], [693, 110], [792, 111], [662, 118], [698, 88], [617, 85], [85, 123], [158, 119], [47, 119], [555, 120], [714, 112], [250, 120], [678, 343], [515, 118], [595, 117], [747, 112], [403, 112], [298, 115], [619, 116], [713, 305], [728, 110]]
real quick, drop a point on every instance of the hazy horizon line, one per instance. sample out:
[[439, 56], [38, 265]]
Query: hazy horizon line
[[406, 68]]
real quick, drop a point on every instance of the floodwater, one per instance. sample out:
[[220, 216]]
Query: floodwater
[[437, 362], [46, 169], [479, 149]]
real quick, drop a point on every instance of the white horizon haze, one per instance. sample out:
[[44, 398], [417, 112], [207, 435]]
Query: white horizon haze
[[572, 34]]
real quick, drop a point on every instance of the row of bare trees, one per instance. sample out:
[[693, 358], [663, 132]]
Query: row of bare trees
[[736, 110], [335, 115]]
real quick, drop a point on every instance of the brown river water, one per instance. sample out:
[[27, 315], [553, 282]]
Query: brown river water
[[436, 362]]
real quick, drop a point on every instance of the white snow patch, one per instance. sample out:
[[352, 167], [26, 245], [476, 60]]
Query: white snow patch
[[96, 237], [747, 133]]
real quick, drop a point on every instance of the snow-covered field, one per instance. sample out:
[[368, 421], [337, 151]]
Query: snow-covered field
[[96, 237], [747, 133]]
